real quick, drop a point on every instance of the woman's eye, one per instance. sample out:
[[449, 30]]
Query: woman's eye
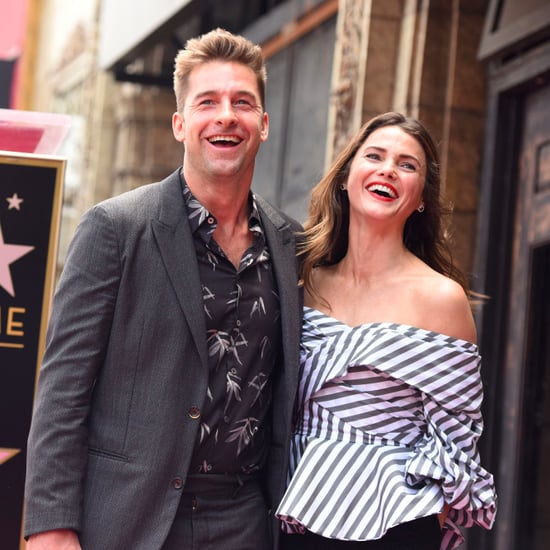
[[408, 166], [372, 156]]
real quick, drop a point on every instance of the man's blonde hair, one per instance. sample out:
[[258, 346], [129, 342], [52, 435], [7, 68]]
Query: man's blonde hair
[[217, 45]]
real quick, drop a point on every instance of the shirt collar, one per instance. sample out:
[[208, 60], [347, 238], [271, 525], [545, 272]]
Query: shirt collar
[[200, 217]]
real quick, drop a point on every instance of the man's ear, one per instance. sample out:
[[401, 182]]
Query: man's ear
[[178, 127], [265, 127]]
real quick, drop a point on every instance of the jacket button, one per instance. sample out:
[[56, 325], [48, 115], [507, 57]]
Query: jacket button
[[194, 413], [177, 483]]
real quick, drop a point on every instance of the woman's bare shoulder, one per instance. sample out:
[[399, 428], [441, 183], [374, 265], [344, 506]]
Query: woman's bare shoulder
[[445, 308]]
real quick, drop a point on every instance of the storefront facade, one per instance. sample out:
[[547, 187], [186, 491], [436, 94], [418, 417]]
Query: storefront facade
[[477, 72]]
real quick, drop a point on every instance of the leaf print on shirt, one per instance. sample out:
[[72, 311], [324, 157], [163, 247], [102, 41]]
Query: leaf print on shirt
[[265, 346], [254, 225], [262, 264], [264, 257], [233, 388], [238, 341], [258, 306], [197, 209], [205, 430], [247, 259], [212, 260], [218, 343], [243, 432], [236, 295], [207, 294], [258, 383], [205, 467]]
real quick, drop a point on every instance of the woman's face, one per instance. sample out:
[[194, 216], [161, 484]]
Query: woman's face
[[387, 175]]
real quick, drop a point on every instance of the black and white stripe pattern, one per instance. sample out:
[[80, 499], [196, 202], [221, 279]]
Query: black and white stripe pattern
[[386, 432]]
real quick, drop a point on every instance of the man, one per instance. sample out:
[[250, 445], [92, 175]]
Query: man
[[163, 410]]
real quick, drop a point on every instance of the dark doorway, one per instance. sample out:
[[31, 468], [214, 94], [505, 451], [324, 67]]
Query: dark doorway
[[523, 418], [535, 462]]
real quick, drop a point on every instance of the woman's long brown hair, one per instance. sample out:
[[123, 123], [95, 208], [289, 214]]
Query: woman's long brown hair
[[325, 237]]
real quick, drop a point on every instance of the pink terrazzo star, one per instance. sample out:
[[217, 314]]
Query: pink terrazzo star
[[9, 253]]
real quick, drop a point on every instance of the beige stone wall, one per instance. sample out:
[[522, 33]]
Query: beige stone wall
[[452, 103], [145, 149]]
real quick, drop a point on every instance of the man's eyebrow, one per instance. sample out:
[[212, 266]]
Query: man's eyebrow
[[206, 93], [202, 94]]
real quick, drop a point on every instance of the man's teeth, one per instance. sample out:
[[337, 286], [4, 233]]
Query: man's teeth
[[224, 139], [383, 190]]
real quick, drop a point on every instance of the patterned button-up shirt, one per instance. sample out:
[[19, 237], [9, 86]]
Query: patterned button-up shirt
[[242, 312]]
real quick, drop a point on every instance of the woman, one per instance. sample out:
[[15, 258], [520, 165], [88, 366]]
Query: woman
[[388, 410]]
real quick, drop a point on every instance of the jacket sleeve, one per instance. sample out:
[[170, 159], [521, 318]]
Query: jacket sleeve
[[77, 339]]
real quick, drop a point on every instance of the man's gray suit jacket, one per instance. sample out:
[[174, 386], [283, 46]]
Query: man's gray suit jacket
[[126, 367]]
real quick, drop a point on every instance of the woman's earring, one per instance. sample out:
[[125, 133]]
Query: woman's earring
[[343, 186], [421, 208]]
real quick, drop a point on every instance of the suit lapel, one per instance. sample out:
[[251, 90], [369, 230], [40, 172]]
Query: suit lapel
[[282, 245], [175, 243]]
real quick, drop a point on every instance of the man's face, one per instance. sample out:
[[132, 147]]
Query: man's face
[[222, 124]]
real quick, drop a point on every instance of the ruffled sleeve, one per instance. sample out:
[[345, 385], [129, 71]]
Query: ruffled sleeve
[[448, 453]]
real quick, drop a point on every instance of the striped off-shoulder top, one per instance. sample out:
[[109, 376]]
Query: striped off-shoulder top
[[387, 423]]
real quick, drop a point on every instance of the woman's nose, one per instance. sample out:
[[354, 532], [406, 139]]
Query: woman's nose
[[387, 170]]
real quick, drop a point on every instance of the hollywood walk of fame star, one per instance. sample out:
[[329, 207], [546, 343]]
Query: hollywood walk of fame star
[[14, 202], [9, 253]]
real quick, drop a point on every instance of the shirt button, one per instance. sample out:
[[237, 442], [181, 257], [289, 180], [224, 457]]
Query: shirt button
[[194, 413], [177, 483]]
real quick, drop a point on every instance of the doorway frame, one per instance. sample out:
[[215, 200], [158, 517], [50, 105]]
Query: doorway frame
[[502, 339]]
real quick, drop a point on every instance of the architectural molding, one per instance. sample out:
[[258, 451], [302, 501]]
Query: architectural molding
[[348, 74]]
